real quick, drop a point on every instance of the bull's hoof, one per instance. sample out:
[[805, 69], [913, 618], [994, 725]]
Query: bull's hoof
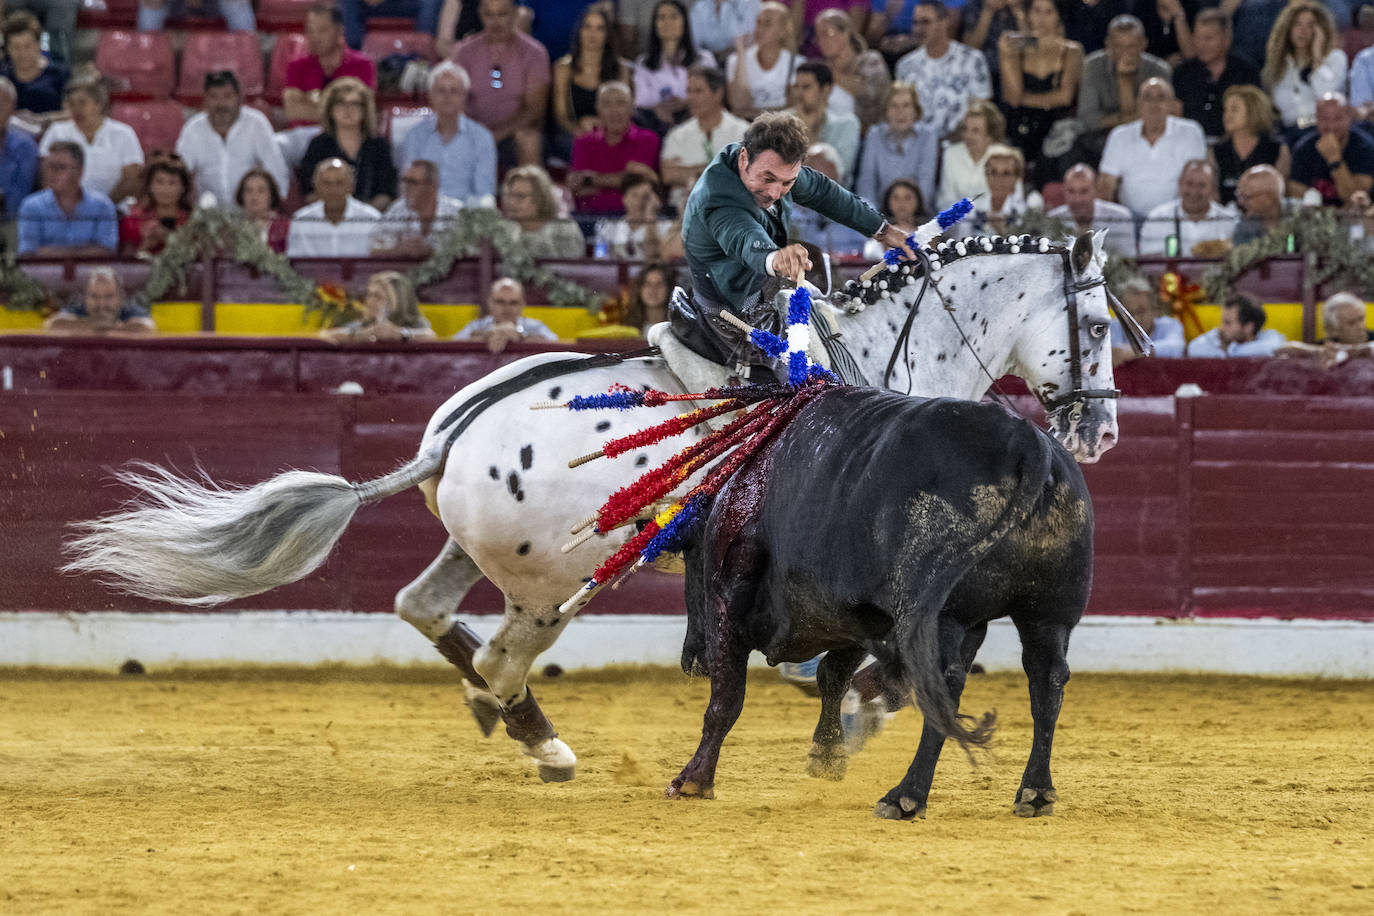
[[549, 773], [906, 809], [827, 762], [688, 788], [485, 710], [1035, 802]]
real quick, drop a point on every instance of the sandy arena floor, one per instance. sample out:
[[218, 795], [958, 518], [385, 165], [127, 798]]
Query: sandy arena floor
[[346, 791]]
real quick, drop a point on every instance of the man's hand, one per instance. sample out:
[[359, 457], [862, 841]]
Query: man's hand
[[1329, 145], [893, 237], [791, 262]]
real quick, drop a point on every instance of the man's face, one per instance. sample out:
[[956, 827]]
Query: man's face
[[810, 97], [1140, 303], [1210, 42], [322, 36], [1079, 193], [642, 202], [222, 105], [61, 173], [498, 17], [613, 109], [1347, 325], [1125, 48], [1333, 118], [701, 101], [505, 303], [1195, 189], [767, 177], [925, 24], [1257, 196], [334, 185], [102, 300], [1002, 174], [421, 194], [1231, 330], [1155, 99], [447, 97]]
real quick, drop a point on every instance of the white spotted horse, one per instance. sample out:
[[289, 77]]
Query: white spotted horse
[[496, 473]]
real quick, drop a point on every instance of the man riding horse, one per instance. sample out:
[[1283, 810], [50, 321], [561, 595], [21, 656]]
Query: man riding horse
[[734, 230]]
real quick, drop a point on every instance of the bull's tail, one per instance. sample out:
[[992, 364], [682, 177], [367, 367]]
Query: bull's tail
[[919, 645], [202, 544]]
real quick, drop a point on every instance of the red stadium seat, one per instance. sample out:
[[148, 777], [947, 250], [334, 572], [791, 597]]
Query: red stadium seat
[[282, 15], [156, 121], [137, 64], [380, 45], [206, 52], [289, 46], [1053, 192], [107, 14]]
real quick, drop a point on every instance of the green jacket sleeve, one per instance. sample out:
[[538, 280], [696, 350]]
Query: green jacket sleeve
[[814, 191], [740, 237]]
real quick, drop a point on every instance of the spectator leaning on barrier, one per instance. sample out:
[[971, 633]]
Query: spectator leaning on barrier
[[1143, 159], [418, 216], [462, 149], [946, 73], [114, 158], [530, 202], [349, 132], [1201, 81], [1084, 211], [38, 81], [1241, 332], [505, 320], [510, 90], [602, 158], [1166, 331], [1193, 225], [326, 59], [1335, 160], [102, 309], [64, 218], [225, 141], [18, 155], [337, 225], [1347, 333], [391, 311], [691, 145]]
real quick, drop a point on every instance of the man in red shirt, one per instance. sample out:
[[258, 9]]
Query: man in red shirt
[[602, 158], [327, 58], [510, 83]]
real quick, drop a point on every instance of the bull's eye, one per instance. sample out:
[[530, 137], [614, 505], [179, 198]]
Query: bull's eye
[[1098, 329]]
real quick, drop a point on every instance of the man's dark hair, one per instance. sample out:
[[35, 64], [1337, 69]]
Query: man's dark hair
[[715, 80], [635, 179], [780, 131], [940, 9], [216, 78], [1248, 310], [820, 70], [71, 149], [332, 10]]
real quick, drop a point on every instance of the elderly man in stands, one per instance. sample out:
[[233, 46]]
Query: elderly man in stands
[[1193, 225], [1335, 160], [337, 225], [1084, 211], [1166, 331], [326, 59], [463, 150], [104, 309], [1143, 159], [418, 216], [811, 89], [505, 320], [511, 95], [1241, 332], [1345, 322], [224, 141], [602, 157], [1259, 195], [690, 147], [18, 155], [66, 219]]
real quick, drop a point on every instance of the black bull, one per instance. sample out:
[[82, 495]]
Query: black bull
[[899, 527]]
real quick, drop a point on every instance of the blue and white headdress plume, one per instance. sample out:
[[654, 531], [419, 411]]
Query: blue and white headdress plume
[[922, 237]]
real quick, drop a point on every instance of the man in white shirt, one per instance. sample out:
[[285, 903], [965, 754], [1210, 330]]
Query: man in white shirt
[[224, 141], [1173, 229], [690, 147], [1084, 211], [505, 320], [1241, 332], [945, 72], [1143, 159], [420, 215], [337, 225]]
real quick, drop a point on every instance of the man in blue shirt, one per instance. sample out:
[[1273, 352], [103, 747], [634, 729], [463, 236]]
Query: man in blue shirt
[[463, 149], [18, 155], [66, 219]]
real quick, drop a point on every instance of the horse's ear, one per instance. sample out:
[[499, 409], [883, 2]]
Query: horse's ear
[[1082, 252]]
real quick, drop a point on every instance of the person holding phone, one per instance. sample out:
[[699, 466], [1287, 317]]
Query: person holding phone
[[164, 204]]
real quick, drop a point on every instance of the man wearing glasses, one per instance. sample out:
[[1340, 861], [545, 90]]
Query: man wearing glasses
[[510, 83], [462, 149], [66, 219]]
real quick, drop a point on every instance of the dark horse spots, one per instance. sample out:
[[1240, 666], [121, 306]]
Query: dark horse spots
[[523, 549], [603, 426], [495, 474], [554, 392], [513, 483], [526, 457], [539, 621], [641, 461]]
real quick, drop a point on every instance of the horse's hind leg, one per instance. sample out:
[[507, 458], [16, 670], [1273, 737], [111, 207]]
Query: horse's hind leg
[[1044, 656], [428, 604], [828, 758]]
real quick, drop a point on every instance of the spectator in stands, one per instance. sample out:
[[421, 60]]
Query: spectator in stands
[[1241, 332], [349, 132], [163, 205], [511, 95], [861, 75], [716, 23], [1112, 80], [505, 320], [1193, 224], [1302, 62], [225, 141], [38, 81], [259, 200], [810, 226], [237, 14], [1259, 195], [642, 231], [948, 74], [1084, 211], [391, 311], [357, 12], [1362, 81], [103, 309], [998, 212], [58, 19], [892, 29], [419, 216], [114, 157], [593, 61], [529, 200], [1251, 23], [337, 224], [1165, 25], [760, 74], [1335, 160], [1347, 334], [1143, 159], [811, 91], [66, 219], [961, 166], [1248, 117], [1165, 331], [634, 23], [602, 158], [984, 25], [650, 291], [903, 205], [463, 150], [326, 59], [660, 74], [1360, 35], [457, 20], [18, 155], [691, 146], [900, 147], [1040, 74], [1201, 81]]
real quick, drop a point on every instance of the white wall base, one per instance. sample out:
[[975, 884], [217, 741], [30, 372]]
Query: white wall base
[[1343, 649]]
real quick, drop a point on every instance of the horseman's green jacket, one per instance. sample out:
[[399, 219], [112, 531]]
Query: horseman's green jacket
[[728, 237]]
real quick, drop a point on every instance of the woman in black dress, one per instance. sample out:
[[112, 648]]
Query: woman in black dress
[[1248, 117], [350, 133]]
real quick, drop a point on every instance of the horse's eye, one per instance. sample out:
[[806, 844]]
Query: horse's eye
[[1098, 329]]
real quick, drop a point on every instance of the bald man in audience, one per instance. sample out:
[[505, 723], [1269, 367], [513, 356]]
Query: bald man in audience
[[337, 225], [505, 320], [1084, 211], [1259, 195], [1143, 158]]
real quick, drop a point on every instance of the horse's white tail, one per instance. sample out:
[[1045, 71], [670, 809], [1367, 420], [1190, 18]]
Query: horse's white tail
[[189, 543]]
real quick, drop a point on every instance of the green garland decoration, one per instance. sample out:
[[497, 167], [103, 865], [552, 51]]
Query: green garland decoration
[[1317, 231], [1116, 270], [25, 293]]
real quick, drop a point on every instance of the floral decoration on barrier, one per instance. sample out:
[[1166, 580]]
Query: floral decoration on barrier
[[1317, 231]]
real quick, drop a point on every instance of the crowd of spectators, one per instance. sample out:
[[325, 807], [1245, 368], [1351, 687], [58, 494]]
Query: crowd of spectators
[[1183, 127]]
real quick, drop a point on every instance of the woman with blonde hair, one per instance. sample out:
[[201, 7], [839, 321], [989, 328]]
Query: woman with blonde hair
[[1247, 115], [391, 311], [961, 167], [760, 74], [900, 147], [861, 75], [530, 201], [1302, 62], [349, 132]]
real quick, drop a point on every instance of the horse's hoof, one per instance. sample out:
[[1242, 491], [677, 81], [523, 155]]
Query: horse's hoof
[[688, 789], [1035, 802], [826, 763], [906, 809], [556, 774]]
